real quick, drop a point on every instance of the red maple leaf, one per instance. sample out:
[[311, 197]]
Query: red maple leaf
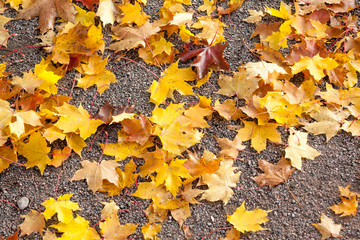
[[211, 55]]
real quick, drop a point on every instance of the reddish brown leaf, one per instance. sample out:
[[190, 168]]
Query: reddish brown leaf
[[273, 174], [89, 4], [107, 111], [212, 55]]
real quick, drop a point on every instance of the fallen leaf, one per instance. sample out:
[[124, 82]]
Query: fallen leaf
[[62, 206], [273, 174], [33, 222], [328, 228], [76, 120], [48, 10], [205, 57], [95, 173], [258, 134], [76, 228], [220, 183], [349, 203], [245, 221], [297, 149], [36, 151]]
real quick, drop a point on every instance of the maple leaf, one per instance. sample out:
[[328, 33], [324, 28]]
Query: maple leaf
[[4, 34], [96, 74], [220, 183], [59, 156], [138, 130], [181, 214], [33, 222], [111, 228], [349, 203], [89, 4], [245, 221], [280, 109], [316, 66], [258, 134], [165, 117], [77, 44], [212, 30], [77, 228], [133, 14], [173, 78], [95, 173], [206, 164], [150, 230], [13, 237], [239, 84], [7, 156], [48, 10], [230, 148], [205, 57], [228, 109], [18, 127], [327, 122], [232, 234], [273, 174], [124, 149], [255, 16], [131, 37], [36, 151], [297, 148], [28, 82], [208, 6], [171, 174], [76, 120], [62, 206], [106, 11], [109, 114], [177, 137], [328, 228]]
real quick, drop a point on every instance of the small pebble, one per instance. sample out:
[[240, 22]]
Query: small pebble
[[23, 203]]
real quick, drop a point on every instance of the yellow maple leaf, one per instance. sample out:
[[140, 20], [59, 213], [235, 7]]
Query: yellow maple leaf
[[173, 78], [127, 178], [316, 66], [96, 74], [349, 203], [258, 134], [35, 150], [33, 222], [124, 149], [7, 156], [95, 173], [77, 229], [62, 206], [171, 174], [85, 18], [150, 230], [208, 6], [111, 228], [133, 14], [44, 72], [280, 109], [279, 39], [297, 149], [245, 221], [165, 117], [212, 29], [220, 183], [177, 137], [284, 12], [76, 120]]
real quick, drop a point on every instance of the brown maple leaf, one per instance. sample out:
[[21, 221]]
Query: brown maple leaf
[[48, 10], [107, 111], [207, 56], [273, 174]]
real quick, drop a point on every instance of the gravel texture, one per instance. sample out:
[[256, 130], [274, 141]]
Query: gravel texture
[[316, 187]]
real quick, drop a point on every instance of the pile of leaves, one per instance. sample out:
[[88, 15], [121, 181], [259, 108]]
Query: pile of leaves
[[305, 81]]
